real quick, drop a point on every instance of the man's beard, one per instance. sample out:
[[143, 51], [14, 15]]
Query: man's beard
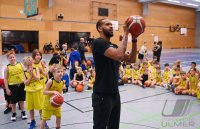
[[107, 33]]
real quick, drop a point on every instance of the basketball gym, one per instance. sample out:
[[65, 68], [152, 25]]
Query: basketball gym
[[26, 25]]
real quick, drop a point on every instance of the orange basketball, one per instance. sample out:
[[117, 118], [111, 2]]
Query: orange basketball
[[125, 79], [56, 101], [136, 25], [147, 83], [89, 62], [79, 88]]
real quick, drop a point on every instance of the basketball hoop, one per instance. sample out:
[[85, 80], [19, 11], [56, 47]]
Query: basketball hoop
[[37, 17]]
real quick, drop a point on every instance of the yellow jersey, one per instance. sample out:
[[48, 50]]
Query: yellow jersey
[[158, 77], [149, 65], [39, 65], [55, 86], [183, 83], [166, 75], [136, 74], [34, 85], [128, 72], [43, 78], [192, 80], [141, 71], [153, 72], [15, 74]]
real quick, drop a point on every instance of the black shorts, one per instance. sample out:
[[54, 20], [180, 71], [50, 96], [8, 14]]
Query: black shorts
[[129, 79], [140, 56], [17, 93]]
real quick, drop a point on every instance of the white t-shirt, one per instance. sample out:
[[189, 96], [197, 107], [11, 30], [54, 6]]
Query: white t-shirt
[[143, 50]]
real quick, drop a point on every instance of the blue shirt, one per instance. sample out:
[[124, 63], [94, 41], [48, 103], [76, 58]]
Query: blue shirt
[[83, 67], [66, 79], [74, 56]]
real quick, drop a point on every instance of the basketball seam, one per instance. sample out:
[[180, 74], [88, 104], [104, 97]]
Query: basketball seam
[[54, 102], [139, 18]]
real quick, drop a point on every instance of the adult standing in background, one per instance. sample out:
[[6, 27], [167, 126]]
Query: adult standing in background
[[159, 50], [142, 52], [107, 56], [81, 49]]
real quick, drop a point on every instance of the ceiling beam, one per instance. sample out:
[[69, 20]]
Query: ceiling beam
[[179, 4]]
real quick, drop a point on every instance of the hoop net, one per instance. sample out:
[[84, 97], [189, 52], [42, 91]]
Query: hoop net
[[37, 17]]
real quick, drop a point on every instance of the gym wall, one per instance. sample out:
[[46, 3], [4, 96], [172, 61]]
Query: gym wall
[[81, 16]]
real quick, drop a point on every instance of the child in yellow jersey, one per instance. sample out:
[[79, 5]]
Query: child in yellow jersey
[[143, 66], [128, 73], [136, 78], [192, 82], [183, 86], [153, 71], [158, 76], [91, 79], [121, 72], [176, 80], [198, 86], [177, 64], [33, 88], [166, 75], [54, 86], [38, 63], [14, 84]]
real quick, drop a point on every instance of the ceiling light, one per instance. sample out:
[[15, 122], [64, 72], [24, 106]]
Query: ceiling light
[[192, 4], [175, 1], [197, 0]]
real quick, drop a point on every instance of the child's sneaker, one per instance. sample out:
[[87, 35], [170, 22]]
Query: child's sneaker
[[7, 110], [32, 125], [46, 126], [14, 117], [24, 116]]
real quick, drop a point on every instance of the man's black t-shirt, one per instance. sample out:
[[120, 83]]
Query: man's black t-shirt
[[107, 69], [81, 50]]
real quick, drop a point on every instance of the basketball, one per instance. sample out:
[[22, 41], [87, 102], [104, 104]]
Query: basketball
[[124, 79], [136, 25], [89, 62], [79, 88], [147, 83], [56, 101]]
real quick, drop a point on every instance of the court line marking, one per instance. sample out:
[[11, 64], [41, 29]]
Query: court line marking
[[74, 107], [138, 99], [120, 123], [83, 97], [79, 109]]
